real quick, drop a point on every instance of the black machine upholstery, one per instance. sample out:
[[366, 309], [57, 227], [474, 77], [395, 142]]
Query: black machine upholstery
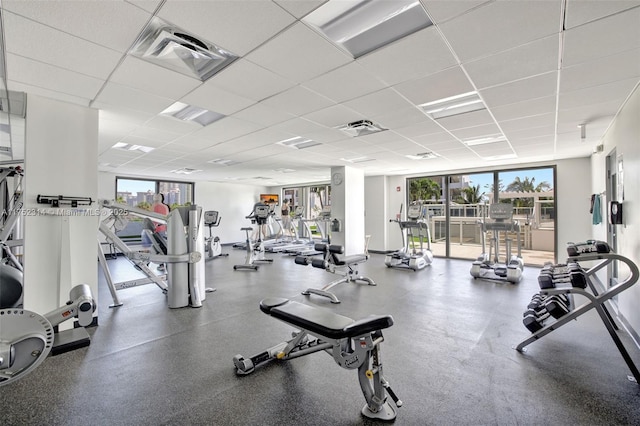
[[321, 321]]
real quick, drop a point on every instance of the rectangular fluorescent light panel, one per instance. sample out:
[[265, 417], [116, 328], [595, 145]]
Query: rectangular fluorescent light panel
[[186, 112], [454, 105], [500, 157], [484, 140], [223, 162], [128, 147], [298, 142], [357, 159], [362, 26], [175, 49]]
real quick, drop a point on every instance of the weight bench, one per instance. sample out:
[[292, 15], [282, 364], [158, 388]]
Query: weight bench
[[333, 262], [353, 345]]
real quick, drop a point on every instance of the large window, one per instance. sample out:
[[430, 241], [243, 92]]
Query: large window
[[456, 203], [139, 192]]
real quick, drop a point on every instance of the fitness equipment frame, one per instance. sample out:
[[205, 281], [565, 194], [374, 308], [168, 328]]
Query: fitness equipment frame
[[255, 252], [334, 263], [595, 300], [183, 284], [27, 338], [353, 345], [11, 270], [409, 257], [501, 220], [212, 245]]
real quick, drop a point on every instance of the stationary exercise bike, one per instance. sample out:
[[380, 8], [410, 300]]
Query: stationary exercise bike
[[212, 244], [255, 252]]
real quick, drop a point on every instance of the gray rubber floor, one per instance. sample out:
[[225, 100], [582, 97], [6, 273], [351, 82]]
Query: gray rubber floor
[[449, 357]]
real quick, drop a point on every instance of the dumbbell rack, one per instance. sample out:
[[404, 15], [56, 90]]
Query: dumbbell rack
[[596, 301]]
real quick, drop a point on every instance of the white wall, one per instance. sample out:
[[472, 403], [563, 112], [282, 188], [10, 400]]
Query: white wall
[[624, 137], [375, 208], [232, 201], [61, 158], [573, 198]]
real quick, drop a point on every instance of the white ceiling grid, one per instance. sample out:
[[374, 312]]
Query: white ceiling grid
[[538, 74]]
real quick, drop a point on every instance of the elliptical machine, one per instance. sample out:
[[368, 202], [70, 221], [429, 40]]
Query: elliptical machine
[[255, 252], [212, 244], [409, 256], [486, 266]]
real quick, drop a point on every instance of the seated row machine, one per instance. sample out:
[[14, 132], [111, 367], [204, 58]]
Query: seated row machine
[[333, 262], [353, 345]]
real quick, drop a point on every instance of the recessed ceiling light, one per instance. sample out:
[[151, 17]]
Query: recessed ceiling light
[[500, 157], [453, 105], [185, 171], [361, 26], [361, 128], [357, 159], [177, 50], [128, 147], [186, 112], [484, 140], [223, 162], [284, 170], [298, 142]]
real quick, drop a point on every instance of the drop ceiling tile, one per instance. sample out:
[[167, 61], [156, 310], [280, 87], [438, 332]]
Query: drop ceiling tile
[[143, 75], [525, 108], [29, 72], [516, 136], [299, 127], [283, 54], [424, 127], [402, 60], [148, 5], [157, 135], [126, 97], [543, 120], [616, 91], [491, 149], [226, 129], [347, 82], [209, 97], [581, 12], [380, 102], [137, 140], [536, 57], [262, 114], [476, 132], [299, 8], [401, 117], [249, 80], [112, 24], [381, 138], [298, 101], [172, 125], [605, 37], [450, 82], [237, 26], [443, 10], [469, 119], [500, 26], [604, 70], [522, 90], [44, 43], [333, 116]]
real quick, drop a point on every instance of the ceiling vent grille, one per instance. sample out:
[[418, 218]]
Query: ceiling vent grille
[[185, 171], [423, 156], [361, 128], [175, 49], [298, 142]]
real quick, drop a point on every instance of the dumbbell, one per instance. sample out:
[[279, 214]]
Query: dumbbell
[[557, 306]]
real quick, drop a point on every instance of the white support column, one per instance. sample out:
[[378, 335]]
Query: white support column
[[347, 205], [61, 158]]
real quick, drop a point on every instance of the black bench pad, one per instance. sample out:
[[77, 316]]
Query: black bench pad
[[350, 260], [322, 321]]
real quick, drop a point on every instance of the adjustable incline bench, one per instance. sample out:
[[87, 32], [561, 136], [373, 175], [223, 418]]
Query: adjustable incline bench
[[353, 345], [336, 264]]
